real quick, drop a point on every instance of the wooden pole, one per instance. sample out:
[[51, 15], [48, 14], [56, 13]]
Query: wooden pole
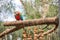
[[26, 23]]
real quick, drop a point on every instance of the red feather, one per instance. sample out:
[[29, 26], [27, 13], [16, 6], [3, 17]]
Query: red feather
[[17, 16]]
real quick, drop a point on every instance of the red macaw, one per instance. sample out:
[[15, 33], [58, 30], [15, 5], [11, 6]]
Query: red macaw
[[18, 16]]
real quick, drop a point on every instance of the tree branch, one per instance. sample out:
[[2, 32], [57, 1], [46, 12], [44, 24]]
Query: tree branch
[[26, 23], [32, 22]]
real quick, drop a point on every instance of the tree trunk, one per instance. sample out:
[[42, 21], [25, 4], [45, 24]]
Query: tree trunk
[[59, 19]]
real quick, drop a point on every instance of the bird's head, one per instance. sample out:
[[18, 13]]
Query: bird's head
[[17, 13]]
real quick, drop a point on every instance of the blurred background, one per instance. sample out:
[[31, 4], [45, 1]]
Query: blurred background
[[30, 9]]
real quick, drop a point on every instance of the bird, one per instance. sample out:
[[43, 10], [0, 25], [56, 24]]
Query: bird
[[18, 16]]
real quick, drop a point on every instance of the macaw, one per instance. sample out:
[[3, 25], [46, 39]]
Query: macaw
[[18, 16]]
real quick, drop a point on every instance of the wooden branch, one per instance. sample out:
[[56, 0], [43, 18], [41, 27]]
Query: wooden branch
[[7, 31], [32, 22], [50, 31], [21, 24]]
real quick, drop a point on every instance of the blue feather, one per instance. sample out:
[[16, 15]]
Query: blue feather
[[21, 17]]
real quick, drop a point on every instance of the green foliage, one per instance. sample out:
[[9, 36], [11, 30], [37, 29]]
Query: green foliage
[[1, 27], [37, 3], [53, 11]]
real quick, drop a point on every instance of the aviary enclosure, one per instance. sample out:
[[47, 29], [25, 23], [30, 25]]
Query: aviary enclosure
[[39, 22]]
